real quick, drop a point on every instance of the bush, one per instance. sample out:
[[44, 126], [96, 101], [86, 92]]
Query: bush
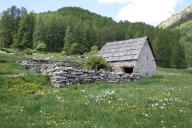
[[63, 53], [41, 46], [7, 50], [28, 51], [94, 49], [96, 62]]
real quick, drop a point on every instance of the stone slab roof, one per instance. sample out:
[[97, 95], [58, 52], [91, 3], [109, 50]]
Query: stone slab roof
[[126, 50]]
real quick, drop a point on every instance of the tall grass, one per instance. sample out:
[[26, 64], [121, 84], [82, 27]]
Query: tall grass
[[164, 101]]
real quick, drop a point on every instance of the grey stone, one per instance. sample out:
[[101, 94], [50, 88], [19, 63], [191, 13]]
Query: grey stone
[[63, 74]]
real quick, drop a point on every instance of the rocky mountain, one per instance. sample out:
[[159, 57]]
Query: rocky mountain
[[178, 18]]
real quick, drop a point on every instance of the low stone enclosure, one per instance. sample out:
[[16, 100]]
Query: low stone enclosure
[[66, 73]]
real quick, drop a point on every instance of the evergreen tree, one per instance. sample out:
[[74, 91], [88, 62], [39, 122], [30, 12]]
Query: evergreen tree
[[50, 30], [39, 34], [6, 30], [69, 40], [163, 48], [76, 40], [9, 25], [179, 56], [55, 30], [25, 32]]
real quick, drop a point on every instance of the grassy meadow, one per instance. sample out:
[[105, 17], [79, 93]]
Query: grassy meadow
[[27, 100]]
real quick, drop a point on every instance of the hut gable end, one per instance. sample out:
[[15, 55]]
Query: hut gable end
[[146, 63], [134, 53]]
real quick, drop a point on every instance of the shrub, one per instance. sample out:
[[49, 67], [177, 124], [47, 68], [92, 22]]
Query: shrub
[[94, 49], [96, 62], [63, 53], [41, 46], [28, 51], [7, 50]]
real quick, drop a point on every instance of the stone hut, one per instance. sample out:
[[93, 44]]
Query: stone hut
[[130, 56]]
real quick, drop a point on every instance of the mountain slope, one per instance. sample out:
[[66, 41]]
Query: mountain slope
[[76, 14], [186, 39], [75, 31], [179, 18], [182, 23]]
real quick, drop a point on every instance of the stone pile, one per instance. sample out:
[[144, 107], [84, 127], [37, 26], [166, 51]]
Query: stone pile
[[36, 65], [62, 76], [67, 73]]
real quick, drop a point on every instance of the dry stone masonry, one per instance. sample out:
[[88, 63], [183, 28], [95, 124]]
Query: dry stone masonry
[[64, 73], [36, 65], [133, 55]]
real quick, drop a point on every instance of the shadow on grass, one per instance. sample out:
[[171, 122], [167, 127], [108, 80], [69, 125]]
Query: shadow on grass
[[2, 61]]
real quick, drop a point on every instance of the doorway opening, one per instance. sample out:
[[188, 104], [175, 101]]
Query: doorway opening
[[128, 70]]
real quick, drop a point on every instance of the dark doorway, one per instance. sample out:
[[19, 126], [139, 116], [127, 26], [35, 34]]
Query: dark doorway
[[128, 70]]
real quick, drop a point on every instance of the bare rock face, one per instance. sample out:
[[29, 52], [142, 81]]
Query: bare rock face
[[63, 74], [181, 17]]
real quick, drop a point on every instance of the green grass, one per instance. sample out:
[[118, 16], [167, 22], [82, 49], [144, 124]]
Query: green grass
[[55, 57], [28, 101], [32, 54], [9, 64]]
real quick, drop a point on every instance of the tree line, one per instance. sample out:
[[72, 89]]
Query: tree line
[[74, 31]]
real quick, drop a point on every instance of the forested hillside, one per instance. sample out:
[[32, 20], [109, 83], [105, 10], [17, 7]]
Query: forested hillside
[[182, 23], [74, 31], [185, 30]]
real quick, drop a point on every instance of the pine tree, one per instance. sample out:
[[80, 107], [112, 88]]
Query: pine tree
[[9, 25], [69, 40], [6, 30], [25, 32], [179, 56], [163, 48], [39, 34]]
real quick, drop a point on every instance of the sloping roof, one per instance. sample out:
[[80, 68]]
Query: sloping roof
[[126, 50]]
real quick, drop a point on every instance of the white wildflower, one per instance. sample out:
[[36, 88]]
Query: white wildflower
[[180, 110], [87, 102], [120, 99], [83, 90], [162, 107], [160, 100], [109, 101]]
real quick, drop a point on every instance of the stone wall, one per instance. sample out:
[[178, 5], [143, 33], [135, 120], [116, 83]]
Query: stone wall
[[63, 74], [118, 66], [36, 65]]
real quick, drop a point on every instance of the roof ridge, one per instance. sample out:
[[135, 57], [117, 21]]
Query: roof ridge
[[132, 39]]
